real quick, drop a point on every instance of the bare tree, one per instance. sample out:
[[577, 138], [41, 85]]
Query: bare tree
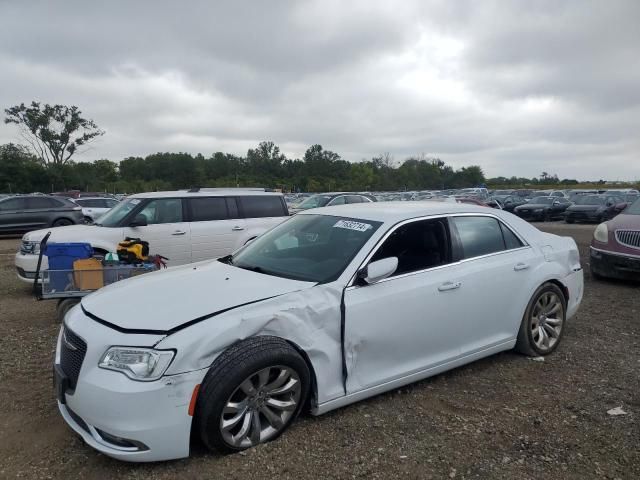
[[54, 132]]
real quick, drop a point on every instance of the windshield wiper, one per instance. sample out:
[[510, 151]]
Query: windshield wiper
[[228, 259]]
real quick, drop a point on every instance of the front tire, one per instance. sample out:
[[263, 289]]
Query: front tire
[[251, 394], [62, 222], [543, 322]]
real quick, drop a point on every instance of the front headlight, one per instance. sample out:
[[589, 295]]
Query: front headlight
[[30, 247], [601, 233], [145, 364]]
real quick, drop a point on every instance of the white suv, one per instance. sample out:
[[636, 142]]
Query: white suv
[[184, 226]]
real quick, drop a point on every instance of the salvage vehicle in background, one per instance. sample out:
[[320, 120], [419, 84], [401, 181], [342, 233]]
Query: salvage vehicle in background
[[329, 200], [543, 208], [23, 213], [509, 202], [330, 307], [94, 207], [615, 248], [184, 226], [594, 208]]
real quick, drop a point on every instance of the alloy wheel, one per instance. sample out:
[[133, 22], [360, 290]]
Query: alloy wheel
[[547, 320], [261, 406]]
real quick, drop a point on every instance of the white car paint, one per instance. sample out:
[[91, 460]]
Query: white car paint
[[397, 331], [182, 242], [93, 212]]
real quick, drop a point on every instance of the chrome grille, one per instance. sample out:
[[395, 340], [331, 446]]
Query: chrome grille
[[628, 238], [72, 352]]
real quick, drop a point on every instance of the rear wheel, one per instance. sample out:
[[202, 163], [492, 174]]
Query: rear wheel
[[62, 222], [251, 394], [569, 220], [543, 322]]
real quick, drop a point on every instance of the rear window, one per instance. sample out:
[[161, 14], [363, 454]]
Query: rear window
[[262, 206], [208, 208]]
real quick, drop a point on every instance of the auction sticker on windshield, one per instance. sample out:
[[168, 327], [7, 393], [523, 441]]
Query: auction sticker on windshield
[[350, 225]]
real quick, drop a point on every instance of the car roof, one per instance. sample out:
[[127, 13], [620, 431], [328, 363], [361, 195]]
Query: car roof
[[204, 193], [392, 212], [92, 198]]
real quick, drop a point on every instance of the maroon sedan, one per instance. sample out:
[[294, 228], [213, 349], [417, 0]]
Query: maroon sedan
[[615, 248]]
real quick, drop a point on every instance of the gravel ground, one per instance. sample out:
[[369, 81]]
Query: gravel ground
[[503, 417]]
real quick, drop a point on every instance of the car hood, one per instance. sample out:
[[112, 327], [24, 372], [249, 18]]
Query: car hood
[[167, 300], [625, 222], [527, 206], [584, 208], [71, 233]]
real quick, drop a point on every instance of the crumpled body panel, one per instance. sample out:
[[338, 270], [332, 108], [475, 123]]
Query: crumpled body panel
[[310, 319]]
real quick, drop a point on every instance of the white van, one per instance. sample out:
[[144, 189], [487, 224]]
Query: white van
[[184, 226]]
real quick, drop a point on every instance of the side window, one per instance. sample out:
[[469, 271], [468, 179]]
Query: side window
[[205, 209], [110, 203], [163, 210], [37, 203], [258, 206], [341, 200], [479, 236], [510, 239], [232, 208], [354, 199], [418, 245], [14, 204]]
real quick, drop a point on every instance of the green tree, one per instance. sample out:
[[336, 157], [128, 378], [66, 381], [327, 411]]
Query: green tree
[[54, 132]]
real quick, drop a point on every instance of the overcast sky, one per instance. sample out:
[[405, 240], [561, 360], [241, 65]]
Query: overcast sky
[[518, 87]]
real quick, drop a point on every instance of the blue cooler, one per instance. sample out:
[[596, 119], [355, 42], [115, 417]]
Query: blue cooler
[[61, 257]]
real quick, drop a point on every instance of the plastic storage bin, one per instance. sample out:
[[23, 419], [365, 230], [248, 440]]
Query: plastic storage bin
[[61, 257]]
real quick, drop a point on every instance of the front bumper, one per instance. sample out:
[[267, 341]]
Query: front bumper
[[26, 265], [582, 216], [125, 419], [531, 215], [614, 265]]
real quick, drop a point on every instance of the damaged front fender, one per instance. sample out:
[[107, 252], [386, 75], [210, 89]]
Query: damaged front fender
[[310, 319]]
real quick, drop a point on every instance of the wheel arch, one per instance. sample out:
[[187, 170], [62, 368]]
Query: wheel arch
[[312, 400]]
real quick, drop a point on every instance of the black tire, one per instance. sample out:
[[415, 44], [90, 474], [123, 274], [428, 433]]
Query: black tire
[[88, 220], [569, 220], [526, 344], [238, 363], [64, 306], [62, 222]]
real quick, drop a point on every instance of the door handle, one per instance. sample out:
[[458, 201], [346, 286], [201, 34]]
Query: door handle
[[237, 228], [178, 232], [520, 266], [449, 286]]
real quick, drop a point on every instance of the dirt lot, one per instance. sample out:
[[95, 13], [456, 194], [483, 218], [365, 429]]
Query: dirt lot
[[503, 417]]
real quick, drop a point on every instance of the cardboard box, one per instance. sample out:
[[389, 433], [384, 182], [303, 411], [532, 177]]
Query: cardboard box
[[87, 274]]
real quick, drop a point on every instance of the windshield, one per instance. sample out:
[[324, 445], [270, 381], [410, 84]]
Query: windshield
[[312, 248], [314, 202], [634, 208], [542, 201], [590, 200], [114, 216]]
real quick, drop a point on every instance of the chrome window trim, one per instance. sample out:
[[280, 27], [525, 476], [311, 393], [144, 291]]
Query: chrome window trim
[[351, 283]]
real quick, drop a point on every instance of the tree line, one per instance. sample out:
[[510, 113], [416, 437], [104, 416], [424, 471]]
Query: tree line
[[263, 166]]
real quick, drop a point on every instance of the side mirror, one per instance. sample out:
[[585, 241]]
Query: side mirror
[[379, 270], [139, 221]]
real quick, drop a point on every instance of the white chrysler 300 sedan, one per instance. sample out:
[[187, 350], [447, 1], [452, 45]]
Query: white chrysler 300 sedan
[[330, 307]]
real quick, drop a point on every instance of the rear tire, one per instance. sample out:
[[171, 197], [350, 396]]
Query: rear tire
[[251, 394], [543, 322], [569, 220]]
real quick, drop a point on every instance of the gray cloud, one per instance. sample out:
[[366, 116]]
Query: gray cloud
[[517, 87]]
